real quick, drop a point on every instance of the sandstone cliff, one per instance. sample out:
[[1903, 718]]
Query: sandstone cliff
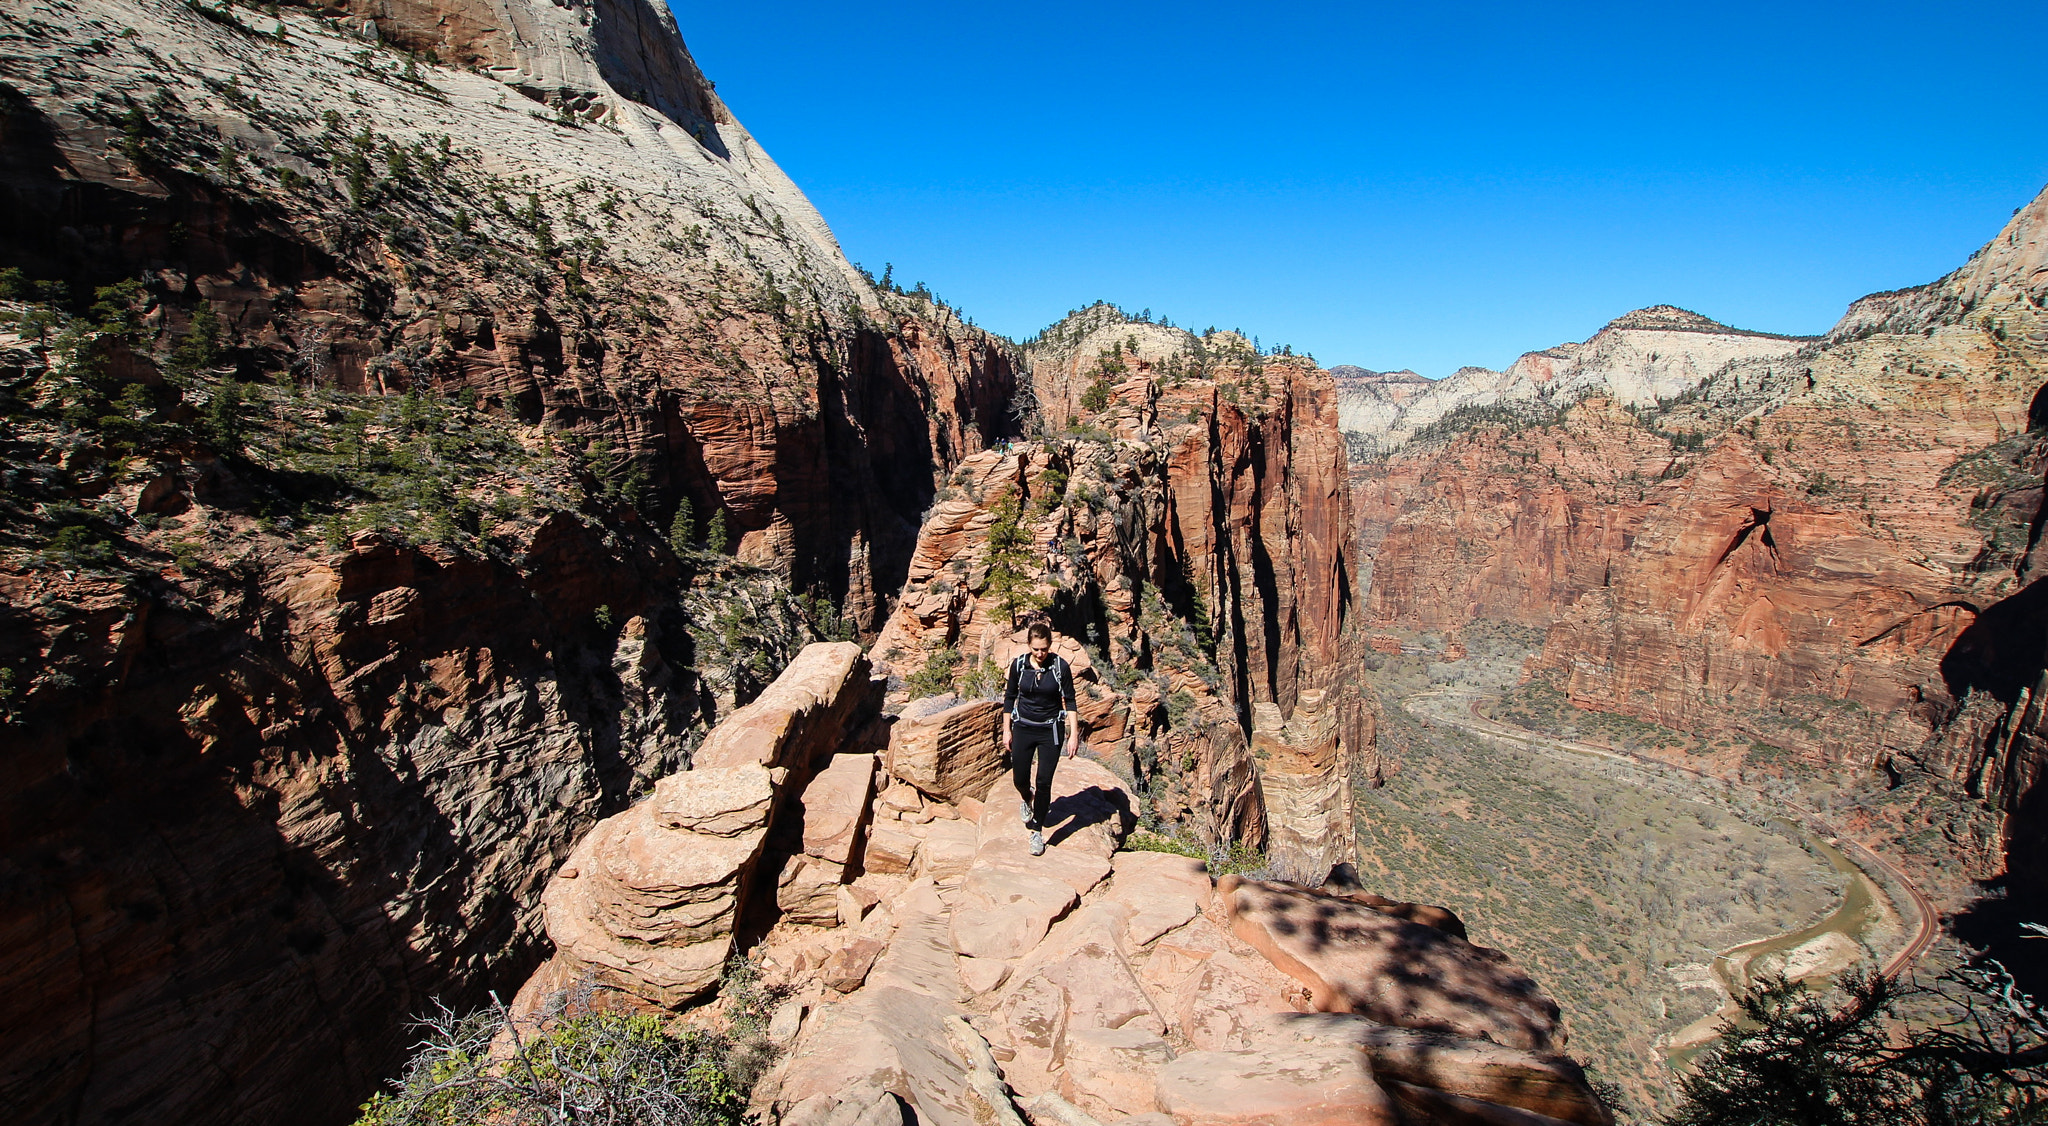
[[1193, 529], [931, 970], [357, 363], [1831, 549]]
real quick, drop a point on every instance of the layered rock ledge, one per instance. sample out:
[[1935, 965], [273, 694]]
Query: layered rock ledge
[[961, 981]]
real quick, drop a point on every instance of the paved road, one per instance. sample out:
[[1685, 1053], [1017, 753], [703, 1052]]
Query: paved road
[[1925, 922]]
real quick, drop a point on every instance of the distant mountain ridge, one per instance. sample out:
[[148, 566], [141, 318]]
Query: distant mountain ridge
[[1658, 352]]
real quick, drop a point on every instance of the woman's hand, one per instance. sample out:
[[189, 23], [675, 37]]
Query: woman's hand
[[1073, 746], [1006, 736]]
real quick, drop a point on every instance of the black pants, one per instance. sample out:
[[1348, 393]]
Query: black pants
[[1027, 740]]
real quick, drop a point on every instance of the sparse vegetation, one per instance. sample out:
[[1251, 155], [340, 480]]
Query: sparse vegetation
[[936, 677], [1803, 1057], [1605, 891]]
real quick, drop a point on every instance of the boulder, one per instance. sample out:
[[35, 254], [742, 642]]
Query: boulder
[[949, 848], [847, 967], [807, 713], [983, 975], [892, 848], [1283, 1085], [645, 904], [835, 805], [1354, 959], [807, 891], [948, 750], [1442, 918]]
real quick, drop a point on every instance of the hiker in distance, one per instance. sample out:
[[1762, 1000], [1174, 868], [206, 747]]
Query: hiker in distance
[[1038, 702]]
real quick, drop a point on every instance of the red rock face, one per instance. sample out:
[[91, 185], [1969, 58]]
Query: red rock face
[[272, 817], [1221, 507], [1511, 527], [258, 809], [1843, 561]]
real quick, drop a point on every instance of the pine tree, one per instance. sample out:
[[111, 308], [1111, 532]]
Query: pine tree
[[1010, 580], [682, 532]]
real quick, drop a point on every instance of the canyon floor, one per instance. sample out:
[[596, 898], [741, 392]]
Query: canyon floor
[[1639, 891]]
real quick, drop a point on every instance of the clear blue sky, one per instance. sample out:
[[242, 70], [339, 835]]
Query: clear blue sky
[[1420, 185]]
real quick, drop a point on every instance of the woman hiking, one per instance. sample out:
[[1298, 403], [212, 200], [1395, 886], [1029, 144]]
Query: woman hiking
[[1038, 702]]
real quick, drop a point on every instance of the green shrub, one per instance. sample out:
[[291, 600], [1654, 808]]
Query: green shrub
[[1096, 397], [1795, 1058], [1012, 571], [936, 677], [1235, 857], [593, 1068], [1142, 841], [78, 544]]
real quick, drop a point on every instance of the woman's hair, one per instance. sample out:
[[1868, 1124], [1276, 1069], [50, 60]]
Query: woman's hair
[[1038, 629]]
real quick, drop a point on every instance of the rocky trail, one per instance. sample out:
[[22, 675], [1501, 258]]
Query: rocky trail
[[934, 971], [1878, 887]]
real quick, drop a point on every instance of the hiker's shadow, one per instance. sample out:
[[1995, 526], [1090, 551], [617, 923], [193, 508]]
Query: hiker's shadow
[[1095, 805]]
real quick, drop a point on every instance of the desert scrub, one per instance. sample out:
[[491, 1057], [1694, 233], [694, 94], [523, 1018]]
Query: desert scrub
[[593, 1068], [1233, 858], [936, 677]]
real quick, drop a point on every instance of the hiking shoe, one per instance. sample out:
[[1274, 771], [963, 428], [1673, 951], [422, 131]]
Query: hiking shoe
[[1024, 815], [1037, 842]]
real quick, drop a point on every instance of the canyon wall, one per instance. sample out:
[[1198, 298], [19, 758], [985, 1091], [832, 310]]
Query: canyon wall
[[423, 423], [1193, 530], [351, 396], [1830, 550]]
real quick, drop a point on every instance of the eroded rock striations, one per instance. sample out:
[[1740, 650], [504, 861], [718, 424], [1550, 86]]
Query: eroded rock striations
[[291, 741], [1194, 530], [977, 983], [1833, 550]]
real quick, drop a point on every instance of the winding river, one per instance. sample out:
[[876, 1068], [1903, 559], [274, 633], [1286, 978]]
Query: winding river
[[1816, 951]]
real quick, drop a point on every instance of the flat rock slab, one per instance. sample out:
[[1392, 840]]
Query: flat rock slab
[[835, 805], [1288, 1085], [1004, 912], [1076, 980], [1112, 1072], [715, 801], [949, 848], [1161, 890], [1355, 960], [1090, 815], [885, 1038], [920, 956], [1426, 1104]]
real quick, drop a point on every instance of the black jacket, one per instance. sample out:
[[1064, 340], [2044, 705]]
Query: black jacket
[[1036, 695]]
